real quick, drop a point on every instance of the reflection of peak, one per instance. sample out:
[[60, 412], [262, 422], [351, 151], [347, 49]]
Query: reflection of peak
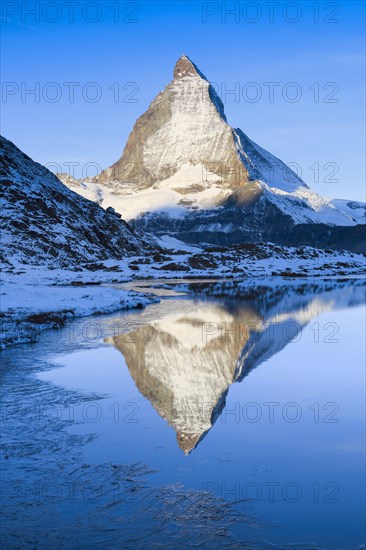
[[183, 371], [184, 363], [188, 442]]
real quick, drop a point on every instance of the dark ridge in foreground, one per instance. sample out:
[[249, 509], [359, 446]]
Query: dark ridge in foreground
[[45, 223]]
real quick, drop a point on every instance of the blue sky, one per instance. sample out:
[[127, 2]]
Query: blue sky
[[313, 51]]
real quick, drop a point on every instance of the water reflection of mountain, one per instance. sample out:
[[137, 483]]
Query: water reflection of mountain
[[184, 363]]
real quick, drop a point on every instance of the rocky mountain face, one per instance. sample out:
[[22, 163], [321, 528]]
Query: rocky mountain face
[[249, 217], [45, 223], [185, 124], [187, 173]]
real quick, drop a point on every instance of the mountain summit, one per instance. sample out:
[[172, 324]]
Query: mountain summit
[[184, 133], [185, 172], [185, 126], [185, 67]]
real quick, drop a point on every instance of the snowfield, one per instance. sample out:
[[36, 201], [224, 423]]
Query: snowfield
[[187, 190]]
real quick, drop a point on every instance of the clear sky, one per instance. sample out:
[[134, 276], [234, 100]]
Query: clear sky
[[297, 68]]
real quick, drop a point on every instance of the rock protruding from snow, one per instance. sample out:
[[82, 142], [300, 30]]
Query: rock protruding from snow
[[185, 67]]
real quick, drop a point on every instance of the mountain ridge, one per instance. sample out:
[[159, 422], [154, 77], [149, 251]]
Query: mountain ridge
[[44, 222], [184, 165]]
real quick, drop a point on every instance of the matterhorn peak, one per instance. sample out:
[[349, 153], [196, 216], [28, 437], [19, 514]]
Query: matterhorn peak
[[184, 127], [185, 67], [183, 161], [185, 135]]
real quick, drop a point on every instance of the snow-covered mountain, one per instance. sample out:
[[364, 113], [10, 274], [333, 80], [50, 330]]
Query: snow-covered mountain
[[187, 173], [45, 223]]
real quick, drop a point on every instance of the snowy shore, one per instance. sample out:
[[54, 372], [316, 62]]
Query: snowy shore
[[28, 308], [38, 298]]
